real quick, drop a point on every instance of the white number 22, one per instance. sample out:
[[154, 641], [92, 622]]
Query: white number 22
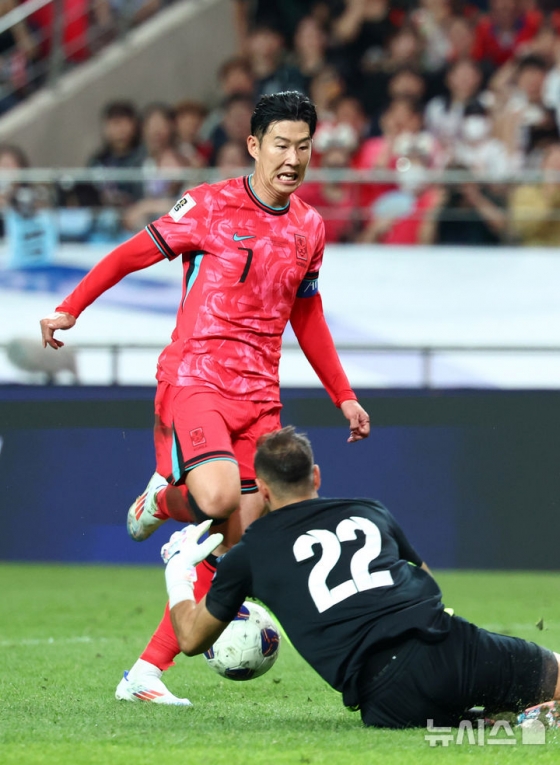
[[361, 579]]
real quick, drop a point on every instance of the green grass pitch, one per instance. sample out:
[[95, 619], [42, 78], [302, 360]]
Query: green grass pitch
[[68, 632]]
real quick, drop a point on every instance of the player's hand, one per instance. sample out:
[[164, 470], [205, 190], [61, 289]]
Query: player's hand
[[50, 324], [358, 419], [185, 543], [181, 554]]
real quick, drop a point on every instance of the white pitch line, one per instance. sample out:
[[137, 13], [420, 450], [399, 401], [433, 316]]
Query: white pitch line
[[53, 641]]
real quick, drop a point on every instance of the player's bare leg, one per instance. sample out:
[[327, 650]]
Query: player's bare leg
[[251, 507], [214, 490]]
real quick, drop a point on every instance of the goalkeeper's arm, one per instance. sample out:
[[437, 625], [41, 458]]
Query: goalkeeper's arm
[[196, 629]]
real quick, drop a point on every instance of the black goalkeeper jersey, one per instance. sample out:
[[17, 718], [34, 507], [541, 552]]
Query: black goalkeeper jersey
[[337, 574]]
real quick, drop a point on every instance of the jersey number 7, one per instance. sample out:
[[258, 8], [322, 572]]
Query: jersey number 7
[[247, 263]]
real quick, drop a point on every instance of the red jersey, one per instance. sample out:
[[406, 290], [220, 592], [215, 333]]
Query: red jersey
[[244, 264], [497, 47]]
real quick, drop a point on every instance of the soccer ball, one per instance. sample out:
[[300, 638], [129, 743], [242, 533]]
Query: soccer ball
[[248, 647]]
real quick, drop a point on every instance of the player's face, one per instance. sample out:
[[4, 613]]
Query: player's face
[[281, 159]]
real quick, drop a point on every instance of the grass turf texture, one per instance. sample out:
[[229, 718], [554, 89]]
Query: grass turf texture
[[68, 632]]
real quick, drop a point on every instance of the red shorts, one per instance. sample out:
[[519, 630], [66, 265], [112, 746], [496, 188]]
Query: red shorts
[[197, 425]]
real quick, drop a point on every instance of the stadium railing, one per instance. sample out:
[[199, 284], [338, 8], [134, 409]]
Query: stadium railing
[[117, 354], [39, 188]]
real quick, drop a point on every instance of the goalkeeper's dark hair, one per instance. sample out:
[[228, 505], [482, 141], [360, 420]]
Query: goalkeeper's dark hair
[[288, 105], [284, 460]]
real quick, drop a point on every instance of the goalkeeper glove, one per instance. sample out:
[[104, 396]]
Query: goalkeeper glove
[[181, 554]]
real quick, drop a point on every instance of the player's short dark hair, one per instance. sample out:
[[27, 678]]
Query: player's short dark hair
[[288, 105], [284, 460]]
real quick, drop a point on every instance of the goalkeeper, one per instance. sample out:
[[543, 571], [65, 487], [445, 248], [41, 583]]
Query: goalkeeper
[[336, 573]]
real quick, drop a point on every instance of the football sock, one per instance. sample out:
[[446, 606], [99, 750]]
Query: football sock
[[204, 574], [144, 669], [172, 502], [163, 646]]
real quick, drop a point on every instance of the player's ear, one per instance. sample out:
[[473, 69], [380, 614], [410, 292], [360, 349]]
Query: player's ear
[[316, 477], [263, 489], [253, 146]]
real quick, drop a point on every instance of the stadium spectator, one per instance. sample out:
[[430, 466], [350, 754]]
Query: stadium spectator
[[521, 114], [189, 120], [120, 149], [235, 77], [406, 81], [403, 52], [275, 14], [348, 110], [361, 33], [444, 114], [158, 149], [499, 34], [271, 69], [12, 157], [468, 214], [75, 30], [400, 216], [535, 208], [325, 88], [234, 126], [159, 196], [460, 35], [478, 149], [309, 49], [19, 51], [231, 158], [346, 122], [218, 386], [403, 116], [431, 19], [382, 636], [551, 87]]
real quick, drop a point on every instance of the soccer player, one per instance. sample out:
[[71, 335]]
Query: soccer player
[[337, 575], [251, 253]]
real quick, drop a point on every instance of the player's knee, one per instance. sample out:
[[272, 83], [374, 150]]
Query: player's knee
[[216, 503]]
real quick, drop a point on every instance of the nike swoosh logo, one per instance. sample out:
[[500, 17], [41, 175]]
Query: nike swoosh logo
[[237, 238]]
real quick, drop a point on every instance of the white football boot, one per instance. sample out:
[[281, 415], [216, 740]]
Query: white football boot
[[141, 521], [138, 685]]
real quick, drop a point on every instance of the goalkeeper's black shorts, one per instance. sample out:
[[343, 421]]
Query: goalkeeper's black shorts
[[407, 685]]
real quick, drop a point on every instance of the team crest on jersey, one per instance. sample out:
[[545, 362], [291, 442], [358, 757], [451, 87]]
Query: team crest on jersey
[[301, 248], [182, 207], [197, 437]]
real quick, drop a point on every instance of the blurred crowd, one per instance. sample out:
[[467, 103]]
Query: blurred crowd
[[27, 48], [405, 90]]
